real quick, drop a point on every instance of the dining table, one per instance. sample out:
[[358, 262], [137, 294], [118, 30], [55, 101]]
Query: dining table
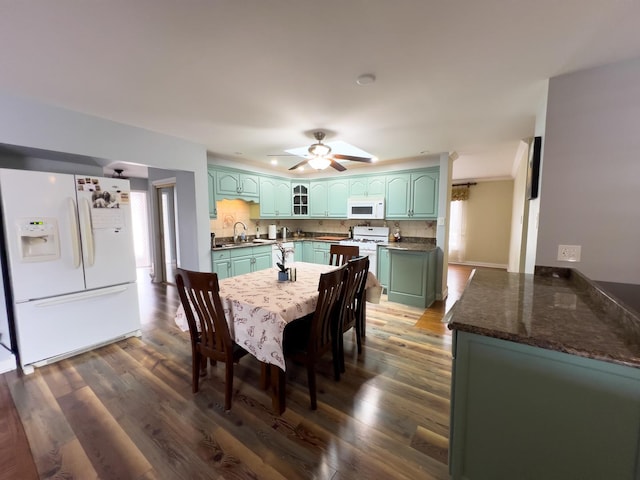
[[258, 307]]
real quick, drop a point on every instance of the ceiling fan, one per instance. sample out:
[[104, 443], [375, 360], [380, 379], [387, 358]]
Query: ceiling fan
[[320, 156]]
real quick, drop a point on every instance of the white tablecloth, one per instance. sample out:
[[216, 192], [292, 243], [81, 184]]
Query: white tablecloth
[[260, 307]]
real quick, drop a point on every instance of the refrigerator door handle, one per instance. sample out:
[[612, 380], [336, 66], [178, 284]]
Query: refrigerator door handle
[[75, 233], [88, 232], [75, 297]]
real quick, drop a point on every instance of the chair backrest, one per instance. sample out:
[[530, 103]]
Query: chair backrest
[[330, 290], [357, 269], [341, 254], [199, 294]]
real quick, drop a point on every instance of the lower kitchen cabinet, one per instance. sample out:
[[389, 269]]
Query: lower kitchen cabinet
[[237, 261], [307, 252], [412, 277], [519, 411], [321, 253], [221, 263]]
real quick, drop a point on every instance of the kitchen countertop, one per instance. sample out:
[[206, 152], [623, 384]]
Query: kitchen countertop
[[556, 309], [409, 246]]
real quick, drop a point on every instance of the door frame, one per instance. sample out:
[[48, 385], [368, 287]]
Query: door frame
[[160, 275]]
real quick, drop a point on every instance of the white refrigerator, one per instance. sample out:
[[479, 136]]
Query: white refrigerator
[[69, 251]]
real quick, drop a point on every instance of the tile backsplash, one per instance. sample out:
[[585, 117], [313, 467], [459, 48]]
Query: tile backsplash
[[232, 211]]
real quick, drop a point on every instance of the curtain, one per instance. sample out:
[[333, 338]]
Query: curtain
[[460, 193], [457, 229]]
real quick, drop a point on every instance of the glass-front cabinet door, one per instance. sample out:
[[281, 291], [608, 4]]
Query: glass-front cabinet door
[[300, 197]]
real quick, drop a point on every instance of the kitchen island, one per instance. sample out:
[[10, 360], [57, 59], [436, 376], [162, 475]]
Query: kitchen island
[[546, 379]]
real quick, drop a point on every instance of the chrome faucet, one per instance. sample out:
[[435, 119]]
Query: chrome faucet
[[235, 235]]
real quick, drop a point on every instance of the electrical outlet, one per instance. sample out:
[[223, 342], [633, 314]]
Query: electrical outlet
[[569, 253]]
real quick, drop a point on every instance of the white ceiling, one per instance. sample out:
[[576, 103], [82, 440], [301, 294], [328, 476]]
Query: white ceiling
[[258, 77]]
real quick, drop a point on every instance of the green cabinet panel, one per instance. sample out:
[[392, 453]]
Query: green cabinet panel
[[248, 259], [383, 266], [321, 253], [413, 195], [520, 411], [275, 198], [300, 199], [337, 196], [412, 277], [424, 188], [211, 174], [328, 198], [234, 184], [307, 251], [221, 264], [367, 186], [318, 199]]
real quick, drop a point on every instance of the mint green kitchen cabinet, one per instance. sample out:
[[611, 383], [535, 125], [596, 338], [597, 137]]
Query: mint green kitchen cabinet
[[307, 251], [221, 263], [367, 186], [383, 266], [249, 259], [412, 277], [275, 198], [300, 199], [211, 176], [328, 198], [234, 184], [263, 257], [321, 252], [413, 195], [520, 412]]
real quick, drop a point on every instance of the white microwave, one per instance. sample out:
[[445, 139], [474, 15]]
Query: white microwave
[[365, 208]]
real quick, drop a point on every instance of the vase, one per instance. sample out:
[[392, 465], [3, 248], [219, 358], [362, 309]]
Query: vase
[[283, 276]]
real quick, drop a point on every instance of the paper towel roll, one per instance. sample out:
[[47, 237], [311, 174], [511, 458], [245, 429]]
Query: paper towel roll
[[272, 232]]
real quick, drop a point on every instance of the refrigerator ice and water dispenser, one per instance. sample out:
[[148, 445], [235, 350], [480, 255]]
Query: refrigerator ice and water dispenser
[[38, 239]]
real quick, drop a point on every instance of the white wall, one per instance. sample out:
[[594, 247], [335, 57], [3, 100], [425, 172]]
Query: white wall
[[26, 123], [590, 178]]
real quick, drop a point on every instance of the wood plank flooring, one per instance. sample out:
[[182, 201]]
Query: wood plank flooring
[[127, 411]]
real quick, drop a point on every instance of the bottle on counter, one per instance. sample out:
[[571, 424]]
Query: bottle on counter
[[257, 231]]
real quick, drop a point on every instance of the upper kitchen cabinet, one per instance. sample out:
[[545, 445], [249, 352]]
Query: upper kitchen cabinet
[[367, 186], [275, 197], [232, 184], [213, 210], [328, 198], [413, 195], [300, 198]]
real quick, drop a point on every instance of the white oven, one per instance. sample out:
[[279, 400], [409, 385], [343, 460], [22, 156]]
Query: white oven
[[367, 239], [365, 208]]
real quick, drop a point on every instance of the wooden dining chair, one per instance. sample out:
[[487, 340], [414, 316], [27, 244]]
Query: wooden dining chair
[[210, 337], [351, 308], [307, 339], [341, 254]]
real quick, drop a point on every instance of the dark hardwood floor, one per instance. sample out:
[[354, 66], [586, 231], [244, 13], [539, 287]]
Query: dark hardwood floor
[[126, 410]]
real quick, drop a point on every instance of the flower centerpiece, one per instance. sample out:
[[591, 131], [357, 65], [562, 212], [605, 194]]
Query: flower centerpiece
[[283, 274]]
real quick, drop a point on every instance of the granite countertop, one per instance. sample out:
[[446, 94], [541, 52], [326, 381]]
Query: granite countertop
[[555, 309], [409, 246]]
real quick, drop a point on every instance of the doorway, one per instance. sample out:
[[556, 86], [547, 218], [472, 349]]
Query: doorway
[[168, 262]]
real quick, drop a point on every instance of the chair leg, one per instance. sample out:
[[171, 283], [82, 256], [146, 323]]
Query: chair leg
[[228, 386], [336, 356], [311, 377], [358, 329], [341, 354], [196, 371]]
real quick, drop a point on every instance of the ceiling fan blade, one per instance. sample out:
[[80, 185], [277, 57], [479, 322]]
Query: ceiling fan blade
[[352, 158], [304, 162], [282, 155], [337, 166]]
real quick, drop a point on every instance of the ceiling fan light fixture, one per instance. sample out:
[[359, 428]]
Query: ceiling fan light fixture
[[319, 163], [319, 150]]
